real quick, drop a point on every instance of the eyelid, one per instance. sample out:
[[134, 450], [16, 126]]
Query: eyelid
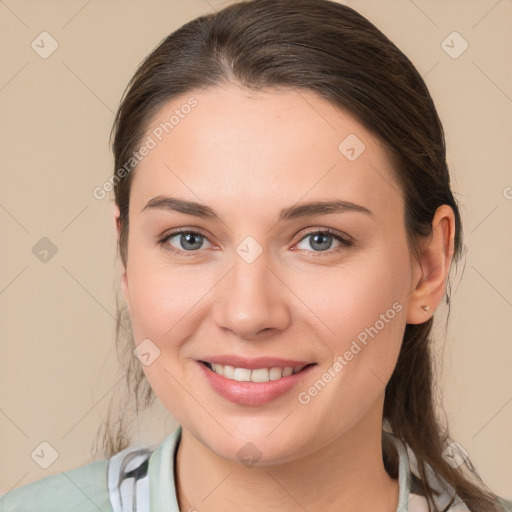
[[345, 236]]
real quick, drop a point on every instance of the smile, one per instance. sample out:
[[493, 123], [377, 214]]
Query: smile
[[255, 375]]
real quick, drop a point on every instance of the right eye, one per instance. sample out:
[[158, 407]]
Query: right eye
[[186, 242]]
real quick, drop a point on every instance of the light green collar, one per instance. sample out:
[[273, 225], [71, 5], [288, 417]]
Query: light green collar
[[161, 474]]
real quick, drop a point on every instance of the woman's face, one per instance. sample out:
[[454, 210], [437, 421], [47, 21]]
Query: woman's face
[[259, 277]]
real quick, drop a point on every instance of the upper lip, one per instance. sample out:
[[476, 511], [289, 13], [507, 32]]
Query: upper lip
[[253, 363]]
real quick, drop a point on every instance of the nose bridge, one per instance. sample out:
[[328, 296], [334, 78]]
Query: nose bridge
[[251, 301]]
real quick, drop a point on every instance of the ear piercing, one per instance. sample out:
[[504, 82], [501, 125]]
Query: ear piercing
[[425, 307]]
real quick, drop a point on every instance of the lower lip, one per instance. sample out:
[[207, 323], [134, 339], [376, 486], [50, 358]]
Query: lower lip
[[252, 393]]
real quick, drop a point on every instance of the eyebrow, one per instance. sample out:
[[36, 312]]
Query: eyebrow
[[301, 210]]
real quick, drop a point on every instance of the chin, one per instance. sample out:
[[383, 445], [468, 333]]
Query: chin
[[251, 446]]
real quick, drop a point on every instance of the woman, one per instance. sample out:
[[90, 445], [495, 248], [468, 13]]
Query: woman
[[287, 228]]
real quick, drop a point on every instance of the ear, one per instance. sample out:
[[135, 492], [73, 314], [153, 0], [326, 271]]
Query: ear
[[124, 277], [432, 270], [117, 220]]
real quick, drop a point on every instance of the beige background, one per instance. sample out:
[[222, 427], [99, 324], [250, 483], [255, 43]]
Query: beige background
[[58, 367]]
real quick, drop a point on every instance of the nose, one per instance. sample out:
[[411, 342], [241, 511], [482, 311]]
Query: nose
[[252, 300]]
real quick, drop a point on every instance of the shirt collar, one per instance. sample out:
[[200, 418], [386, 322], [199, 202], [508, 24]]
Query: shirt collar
[[161, 474], [162, 492]]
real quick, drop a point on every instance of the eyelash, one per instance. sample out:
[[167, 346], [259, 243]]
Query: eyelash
[[326, 231]]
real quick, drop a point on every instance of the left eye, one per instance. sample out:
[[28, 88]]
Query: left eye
[[322, 240]]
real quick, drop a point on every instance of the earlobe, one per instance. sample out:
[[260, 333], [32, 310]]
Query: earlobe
[[433, 267]]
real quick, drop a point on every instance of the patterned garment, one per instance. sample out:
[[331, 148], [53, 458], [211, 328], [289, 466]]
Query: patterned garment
[[128, 480], [129, 489], [142, 479]]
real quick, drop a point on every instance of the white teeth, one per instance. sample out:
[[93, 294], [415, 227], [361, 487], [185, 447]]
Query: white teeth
[[275, 373], [218, 368], [257, 375], [242, 375], [287, 371], [227, 371]]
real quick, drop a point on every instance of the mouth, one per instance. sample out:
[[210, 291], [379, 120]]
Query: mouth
[[267, 374], [268, 378]]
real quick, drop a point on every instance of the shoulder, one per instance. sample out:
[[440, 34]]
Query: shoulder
[[84, 488]]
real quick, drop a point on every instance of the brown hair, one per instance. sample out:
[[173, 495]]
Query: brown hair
[[328, 48]]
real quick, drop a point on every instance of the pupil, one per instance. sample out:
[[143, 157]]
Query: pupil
[[326, 245], [190, 236]]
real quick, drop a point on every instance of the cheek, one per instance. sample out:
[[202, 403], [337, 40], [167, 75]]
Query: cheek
[[163, 298], [164, 308], [347, 301], [362, 308], [368, 323]]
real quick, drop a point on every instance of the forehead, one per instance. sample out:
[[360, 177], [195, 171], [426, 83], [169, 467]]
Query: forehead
[[271, 147]]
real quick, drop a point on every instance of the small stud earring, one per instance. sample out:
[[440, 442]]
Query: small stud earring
[[426, 308]]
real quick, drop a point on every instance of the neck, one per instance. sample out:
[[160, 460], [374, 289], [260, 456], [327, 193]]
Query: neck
[[346, 474]]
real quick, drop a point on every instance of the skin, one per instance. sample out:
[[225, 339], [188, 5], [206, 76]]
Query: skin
[[248, 155]]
